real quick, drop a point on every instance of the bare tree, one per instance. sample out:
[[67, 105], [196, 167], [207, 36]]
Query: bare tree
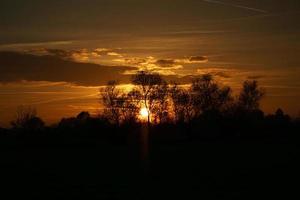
[[147, 83], [26, 118], [119, 106], [131, 106], [159, 103], [110, 99], [182, 103]]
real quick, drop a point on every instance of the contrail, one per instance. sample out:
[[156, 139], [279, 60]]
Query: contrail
[[236, 6]]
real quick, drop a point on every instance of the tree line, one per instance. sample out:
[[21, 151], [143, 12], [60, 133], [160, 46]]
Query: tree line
[[171, 102], [204, 105]]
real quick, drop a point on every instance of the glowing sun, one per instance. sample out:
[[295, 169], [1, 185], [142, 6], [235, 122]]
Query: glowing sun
[[144, 113]]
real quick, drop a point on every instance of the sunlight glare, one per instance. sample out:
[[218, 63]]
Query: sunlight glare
[[144, 113]]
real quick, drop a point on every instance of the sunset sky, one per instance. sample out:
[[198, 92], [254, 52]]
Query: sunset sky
[[55, 54]]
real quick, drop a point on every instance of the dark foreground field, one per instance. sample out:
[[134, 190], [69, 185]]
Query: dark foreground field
[[89, 167]]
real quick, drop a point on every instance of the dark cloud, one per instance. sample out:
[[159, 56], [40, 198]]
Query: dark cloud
[[133, 61], [198, 59], [59, 53], [15, 66], [165, 62], [79, 55], [176, 62], [221, 74]]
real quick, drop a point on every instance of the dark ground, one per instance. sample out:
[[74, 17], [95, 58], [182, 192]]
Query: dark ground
[[90, 168]]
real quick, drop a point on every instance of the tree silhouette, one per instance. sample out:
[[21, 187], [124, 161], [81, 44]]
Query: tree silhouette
[[159, 103], [26, 118], [83, 116], [182, 104], [147, 83], [205, 99], [110, 98], [131, 106], [207, 95], [250, 96], [279, 118], [120, 107]]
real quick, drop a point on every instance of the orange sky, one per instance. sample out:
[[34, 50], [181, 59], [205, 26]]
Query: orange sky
[[55, 55]]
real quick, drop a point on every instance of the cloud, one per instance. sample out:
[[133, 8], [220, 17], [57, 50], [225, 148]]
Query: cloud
[[15, 66], [107, 52], [114, 54], [198, 59], [132, 61], [166, 62], [22, 45], [101, 50], [236, 6], [192, 60], [78, 55], [164, 66], [57, 52], [217, 72], [180, 61]]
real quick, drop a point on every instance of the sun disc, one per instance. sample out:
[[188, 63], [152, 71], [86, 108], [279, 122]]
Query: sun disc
[[144, 112]]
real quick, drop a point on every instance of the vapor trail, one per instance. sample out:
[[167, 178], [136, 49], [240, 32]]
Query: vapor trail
[[236, 6]]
